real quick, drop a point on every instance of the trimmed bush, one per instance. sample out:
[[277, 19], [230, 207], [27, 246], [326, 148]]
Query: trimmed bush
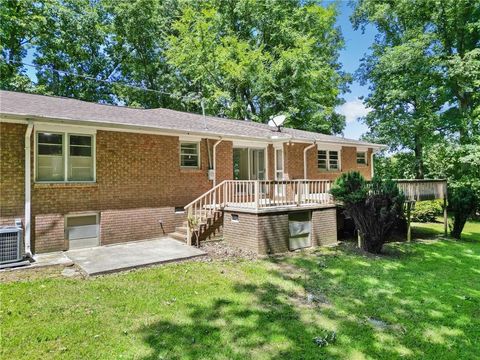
[[463, 201], [427, 211], [374, 207]]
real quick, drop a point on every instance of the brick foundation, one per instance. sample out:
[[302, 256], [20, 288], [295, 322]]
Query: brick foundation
[[268, 232]]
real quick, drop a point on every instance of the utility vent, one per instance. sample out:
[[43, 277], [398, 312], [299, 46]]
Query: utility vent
[[10, 244]]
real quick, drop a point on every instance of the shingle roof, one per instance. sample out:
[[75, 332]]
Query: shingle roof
[[39, 107]]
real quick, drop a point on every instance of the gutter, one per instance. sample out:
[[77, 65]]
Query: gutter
[[132, 127], [215, 161], [28, 189], [305, 158]]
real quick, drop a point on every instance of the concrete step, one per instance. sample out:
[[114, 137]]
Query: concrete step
[[178, 236]]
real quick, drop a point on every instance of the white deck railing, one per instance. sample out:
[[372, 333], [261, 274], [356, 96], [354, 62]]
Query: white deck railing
[[254, 195]]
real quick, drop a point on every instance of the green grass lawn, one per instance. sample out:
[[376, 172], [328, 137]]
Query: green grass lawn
[[419, 301]]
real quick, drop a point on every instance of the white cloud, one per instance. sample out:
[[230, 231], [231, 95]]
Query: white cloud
[[353, 110]]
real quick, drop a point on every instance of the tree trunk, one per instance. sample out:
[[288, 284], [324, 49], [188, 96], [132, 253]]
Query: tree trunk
[[419, 168]]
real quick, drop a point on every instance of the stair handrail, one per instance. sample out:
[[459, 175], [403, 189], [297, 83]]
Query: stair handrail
[[215, 194]]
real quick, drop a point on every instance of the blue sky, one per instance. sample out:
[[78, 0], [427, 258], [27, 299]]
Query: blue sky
[[356, 45]]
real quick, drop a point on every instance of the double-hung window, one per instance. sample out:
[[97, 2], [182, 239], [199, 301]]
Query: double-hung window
[[189, 155], [64, 157], [328, 160], [361, 158]]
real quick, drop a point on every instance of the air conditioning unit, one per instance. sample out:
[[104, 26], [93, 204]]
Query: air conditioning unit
[[11, 244]]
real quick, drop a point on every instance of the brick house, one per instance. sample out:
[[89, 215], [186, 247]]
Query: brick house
[[80, 174]]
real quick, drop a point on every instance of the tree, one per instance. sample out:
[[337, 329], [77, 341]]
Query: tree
[[20, 21], [256, 59], [423, 72], [70, 50], [463, 202], [374, 207], [139, 38]]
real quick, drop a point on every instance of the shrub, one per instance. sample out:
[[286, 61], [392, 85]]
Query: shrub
[[463, 203], [374, 207], [427, 211]]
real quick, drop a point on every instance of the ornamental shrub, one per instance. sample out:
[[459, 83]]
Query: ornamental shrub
[[427, 211], [374, 207], [463, 202]]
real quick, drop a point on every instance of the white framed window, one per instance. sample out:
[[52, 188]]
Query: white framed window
[[190, 155], [65, 157], [328, 160], [361, 157]]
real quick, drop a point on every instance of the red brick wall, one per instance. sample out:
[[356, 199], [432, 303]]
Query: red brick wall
[[12, 172], [224, 161], [139, 182], [294, 163], [268, 233], [324, 227]]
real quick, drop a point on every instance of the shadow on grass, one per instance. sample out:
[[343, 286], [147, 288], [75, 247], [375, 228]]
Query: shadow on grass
[[411, 306]]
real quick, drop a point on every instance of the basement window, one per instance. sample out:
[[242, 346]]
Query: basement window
[[234, 217], [179, 210]]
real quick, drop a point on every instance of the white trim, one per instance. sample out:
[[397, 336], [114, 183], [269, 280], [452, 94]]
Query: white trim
[[250, 144], [371, 164], [189, 138], [79, 130], [143, 129], [362, 148], [332, 147], [28, 189], [65, 152]]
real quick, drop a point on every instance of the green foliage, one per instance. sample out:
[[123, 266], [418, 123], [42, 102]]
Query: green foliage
[[255, 59], [463, 201], [350, 188], [423, 71], [374, 207], [400, 165], [246, 59], [427, 211]]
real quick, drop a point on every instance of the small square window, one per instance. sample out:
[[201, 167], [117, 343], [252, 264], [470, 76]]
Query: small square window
[[189, 155], [361, 158]]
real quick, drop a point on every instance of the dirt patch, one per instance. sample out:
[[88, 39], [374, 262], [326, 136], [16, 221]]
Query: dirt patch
[[219, 250], [36, 273]]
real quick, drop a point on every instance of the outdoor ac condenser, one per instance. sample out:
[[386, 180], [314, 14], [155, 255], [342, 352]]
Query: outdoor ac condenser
[[10, 244]]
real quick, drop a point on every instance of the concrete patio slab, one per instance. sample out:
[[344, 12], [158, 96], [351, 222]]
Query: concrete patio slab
[[111, 258]]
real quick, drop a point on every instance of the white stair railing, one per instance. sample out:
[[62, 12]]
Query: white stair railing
[[255, 194]]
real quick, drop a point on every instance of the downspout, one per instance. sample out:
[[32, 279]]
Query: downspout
[[28, 189], [371, 164], [215, 162], [305, 159]]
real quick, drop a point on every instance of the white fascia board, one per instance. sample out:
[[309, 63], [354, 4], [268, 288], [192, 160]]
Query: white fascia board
[[38, 126], [328, 146], [250, 144]]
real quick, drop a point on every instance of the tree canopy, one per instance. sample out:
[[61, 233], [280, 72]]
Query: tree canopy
[[423, 73], [245, 59]]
